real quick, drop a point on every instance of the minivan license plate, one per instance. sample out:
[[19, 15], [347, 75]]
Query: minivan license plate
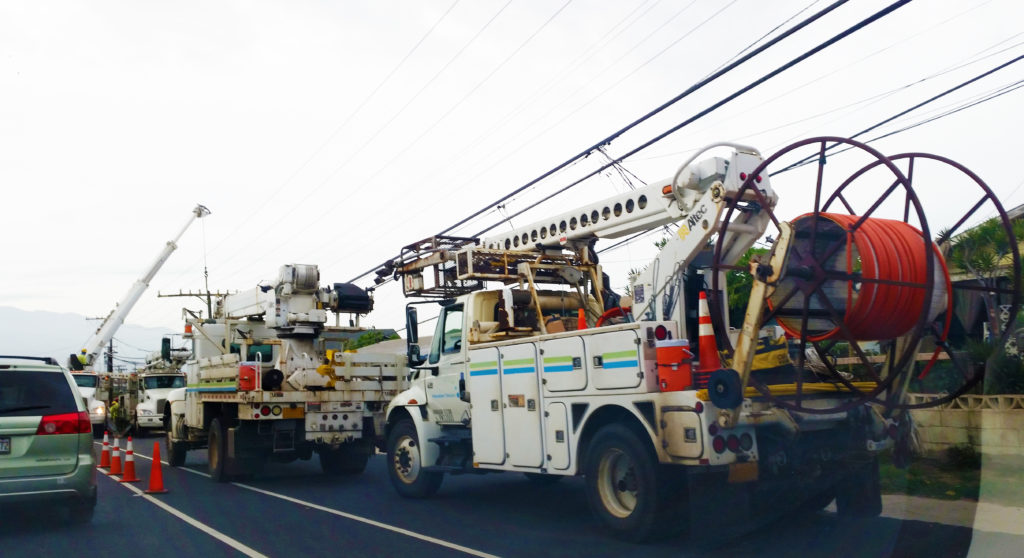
[[5, 445]]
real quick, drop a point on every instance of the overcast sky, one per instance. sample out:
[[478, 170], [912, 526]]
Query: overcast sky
[[333, 133]]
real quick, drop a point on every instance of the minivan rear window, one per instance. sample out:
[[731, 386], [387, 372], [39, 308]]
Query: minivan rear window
[[24, 394]]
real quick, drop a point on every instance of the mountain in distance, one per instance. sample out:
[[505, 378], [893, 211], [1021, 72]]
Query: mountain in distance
[[57, 335]]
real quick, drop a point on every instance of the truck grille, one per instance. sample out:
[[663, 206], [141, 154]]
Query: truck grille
[[160, 406]]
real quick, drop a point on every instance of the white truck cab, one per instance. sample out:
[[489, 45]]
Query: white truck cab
[[153, 396], [87, 383]]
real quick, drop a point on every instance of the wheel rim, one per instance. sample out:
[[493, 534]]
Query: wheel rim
[[407, 460], [616, 483]]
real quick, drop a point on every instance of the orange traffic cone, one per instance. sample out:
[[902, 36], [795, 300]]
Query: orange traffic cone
[[708, 348], [156, 475], [581, 319], [115, 459], [129, 464], [105, 454]]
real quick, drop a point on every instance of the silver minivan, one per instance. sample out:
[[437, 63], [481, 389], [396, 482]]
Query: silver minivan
[[47, 455]]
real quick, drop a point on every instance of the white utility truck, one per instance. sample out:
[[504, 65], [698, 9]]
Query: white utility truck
[[262, 384], [161, 375], [552, 374], [89, 382]]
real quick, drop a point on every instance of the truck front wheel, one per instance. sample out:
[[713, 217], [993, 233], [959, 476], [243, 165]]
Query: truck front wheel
[[405, 463], [625, 488], [217, 452], [175, 450]]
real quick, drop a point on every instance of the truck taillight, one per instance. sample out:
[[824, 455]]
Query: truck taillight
[[661, 333], [66, 423], [746, 441], [718, 443], [733, 443]]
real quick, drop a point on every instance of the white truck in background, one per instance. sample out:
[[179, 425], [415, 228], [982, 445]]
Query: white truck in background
[[551, 375], [161, 375], [262, 385]]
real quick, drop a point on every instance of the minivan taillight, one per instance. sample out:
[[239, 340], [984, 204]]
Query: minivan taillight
[[67, 423]]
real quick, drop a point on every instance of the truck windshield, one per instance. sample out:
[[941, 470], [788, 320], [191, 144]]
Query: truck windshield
[[163, 382], [85, 380]]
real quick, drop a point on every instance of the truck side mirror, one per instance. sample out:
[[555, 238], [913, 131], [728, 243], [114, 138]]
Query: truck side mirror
[[412, 324], [414, 356]]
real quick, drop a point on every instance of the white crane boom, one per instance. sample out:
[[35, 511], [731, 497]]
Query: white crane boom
[[105, 332]]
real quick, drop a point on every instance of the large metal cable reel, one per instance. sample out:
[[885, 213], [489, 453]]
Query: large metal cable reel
[[984, 205], [850, 277]]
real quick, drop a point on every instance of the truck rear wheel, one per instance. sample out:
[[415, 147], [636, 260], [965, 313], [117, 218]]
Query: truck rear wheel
[[217, 452], [860, 493], [626, 490], [345, 460], [405, 463]]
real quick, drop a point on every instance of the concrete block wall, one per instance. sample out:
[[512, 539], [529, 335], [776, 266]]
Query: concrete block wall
[[993, 424]]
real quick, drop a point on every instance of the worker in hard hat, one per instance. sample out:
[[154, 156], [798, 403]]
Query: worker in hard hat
[[83, 358]]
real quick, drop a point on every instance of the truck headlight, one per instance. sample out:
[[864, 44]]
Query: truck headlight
[[146, 412], [99, 409]]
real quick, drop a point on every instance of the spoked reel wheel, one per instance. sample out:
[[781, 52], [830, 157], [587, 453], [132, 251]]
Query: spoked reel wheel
[[860, 272]]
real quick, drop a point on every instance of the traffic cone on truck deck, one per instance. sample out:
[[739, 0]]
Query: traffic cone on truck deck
[[156, 475], [115, 459], [129, 464], [105, 454], [709, 361]]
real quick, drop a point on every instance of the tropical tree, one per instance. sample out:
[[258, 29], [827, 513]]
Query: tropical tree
[[983, 253]]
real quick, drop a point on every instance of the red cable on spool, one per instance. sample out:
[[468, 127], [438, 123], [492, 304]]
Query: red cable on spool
[[891, 261]]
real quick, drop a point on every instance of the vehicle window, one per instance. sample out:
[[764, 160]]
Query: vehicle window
[[450, 338], [84, 380], [452, 342], [163, 382], [25, 394]]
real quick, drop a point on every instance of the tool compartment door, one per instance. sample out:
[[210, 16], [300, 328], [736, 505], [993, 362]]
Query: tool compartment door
[[520, 384], [556, 429], [562, 361], [484, 384], [614, 359]]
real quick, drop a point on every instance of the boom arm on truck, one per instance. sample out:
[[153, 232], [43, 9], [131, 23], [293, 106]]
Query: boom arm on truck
[[109, 326]]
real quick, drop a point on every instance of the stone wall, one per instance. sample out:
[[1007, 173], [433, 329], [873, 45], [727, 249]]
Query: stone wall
[[993, 424]]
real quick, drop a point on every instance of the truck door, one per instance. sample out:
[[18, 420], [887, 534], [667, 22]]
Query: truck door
[[484, 385], [614, 359], [449, 356], [522, 407], [563, 364]]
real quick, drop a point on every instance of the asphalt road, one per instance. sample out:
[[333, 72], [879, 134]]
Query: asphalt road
[[295, 510]]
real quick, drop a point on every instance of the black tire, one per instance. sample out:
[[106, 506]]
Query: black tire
[[175, 451], [348, 459], [860, 493], [218, 452], [541, 479], [818, 502], [405, 465], [98, 430], [627, 490]]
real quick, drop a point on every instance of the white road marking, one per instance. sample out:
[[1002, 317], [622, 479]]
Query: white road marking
[[365, 520], [371, 522], [237, 545]]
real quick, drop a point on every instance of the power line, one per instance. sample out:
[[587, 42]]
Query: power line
[[963, 84], [657, 110], [834, 39]]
